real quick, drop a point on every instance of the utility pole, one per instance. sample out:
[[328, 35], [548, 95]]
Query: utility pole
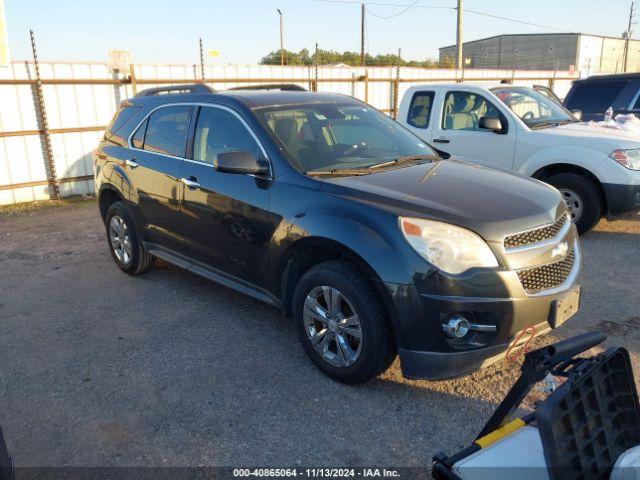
[[459, 35], [628, 36], [315, 88], [201, 60], [281, 38], [399, 54], [362, 35]]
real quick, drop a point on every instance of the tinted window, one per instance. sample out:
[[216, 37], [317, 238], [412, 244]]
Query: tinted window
[[420, 109], [138, 137], [122, 116], [167, 130], [595, 96], [463, 111], [636, 106], [220, 131]]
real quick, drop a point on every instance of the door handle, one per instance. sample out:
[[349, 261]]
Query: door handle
[[131, 163], [441, 140], [191, 183]]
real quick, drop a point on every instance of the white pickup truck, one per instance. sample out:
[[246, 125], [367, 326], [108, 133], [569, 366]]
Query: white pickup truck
[[509, 127]]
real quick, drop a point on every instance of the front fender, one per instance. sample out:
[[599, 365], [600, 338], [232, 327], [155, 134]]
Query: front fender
[[584, 157], [376, 242]]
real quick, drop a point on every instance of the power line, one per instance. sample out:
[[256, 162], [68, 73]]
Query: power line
[[395, 14], [416, 5]]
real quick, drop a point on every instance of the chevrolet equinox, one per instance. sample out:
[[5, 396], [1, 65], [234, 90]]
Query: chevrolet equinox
[[326, 208]]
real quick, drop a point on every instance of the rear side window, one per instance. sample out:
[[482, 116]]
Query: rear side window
[[122, 116], [595, 96], [166, 130], [420, 109]]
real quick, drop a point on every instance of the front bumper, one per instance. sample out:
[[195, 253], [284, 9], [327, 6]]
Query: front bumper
[[621, 198], [495, 302]]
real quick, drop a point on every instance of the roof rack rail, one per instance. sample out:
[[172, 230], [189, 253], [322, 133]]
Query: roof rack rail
[[273, 86], [191, 88]]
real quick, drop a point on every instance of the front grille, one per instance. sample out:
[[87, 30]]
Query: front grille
[[545, 277], [536, 235]]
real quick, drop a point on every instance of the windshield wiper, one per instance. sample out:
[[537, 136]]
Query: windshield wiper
[[337, 171], [552, 124], [405, 159]]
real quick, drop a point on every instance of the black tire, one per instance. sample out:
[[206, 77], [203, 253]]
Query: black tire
[[378, 341], [139, 260], [586, 192]]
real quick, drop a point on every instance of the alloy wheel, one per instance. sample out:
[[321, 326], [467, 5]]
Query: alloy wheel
[[333, 326], [120, 239]]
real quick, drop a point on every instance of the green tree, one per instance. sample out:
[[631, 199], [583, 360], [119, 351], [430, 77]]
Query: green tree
[[332, 57]]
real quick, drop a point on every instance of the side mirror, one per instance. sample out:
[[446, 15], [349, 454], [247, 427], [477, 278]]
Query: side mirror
[[240, 162], [493, 124], [577, 114]]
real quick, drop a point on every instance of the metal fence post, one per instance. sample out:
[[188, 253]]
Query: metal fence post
[[43, 127], [396, 90]]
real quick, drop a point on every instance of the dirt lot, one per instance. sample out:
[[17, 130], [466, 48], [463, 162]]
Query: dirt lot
[[99, 368]]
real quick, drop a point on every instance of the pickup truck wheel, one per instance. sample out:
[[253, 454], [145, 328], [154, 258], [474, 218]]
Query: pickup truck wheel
[[342, 323], [582, 198], [124, 244]]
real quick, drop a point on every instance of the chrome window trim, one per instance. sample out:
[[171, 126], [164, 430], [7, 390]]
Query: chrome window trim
[[544, 243], [566, 285], [199, 104]]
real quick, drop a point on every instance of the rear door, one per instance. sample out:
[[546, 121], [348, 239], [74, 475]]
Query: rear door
[[159, 146], [419, 114], [226, 219], [457, 130]]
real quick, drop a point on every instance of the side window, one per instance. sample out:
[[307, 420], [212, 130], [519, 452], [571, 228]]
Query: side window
[[463, 111], [167, 130], [420, 109], [219, 131], [595, 96], [138, 137]]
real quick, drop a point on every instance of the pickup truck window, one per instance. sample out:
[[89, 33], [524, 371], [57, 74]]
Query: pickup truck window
[[463, 111], [340, 137], [420, 109], [534, 109]]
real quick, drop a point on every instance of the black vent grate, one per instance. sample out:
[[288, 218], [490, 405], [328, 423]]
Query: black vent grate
[[548, 276], [535, 236]]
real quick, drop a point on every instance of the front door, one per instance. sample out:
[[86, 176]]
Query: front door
[[458, 131], [159, 146], [226, 220]]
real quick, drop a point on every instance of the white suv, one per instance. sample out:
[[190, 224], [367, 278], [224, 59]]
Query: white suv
[[509, 127]]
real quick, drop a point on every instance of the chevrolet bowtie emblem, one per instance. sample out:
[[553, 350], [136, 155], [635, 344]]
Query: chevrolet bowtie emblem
[[560, 250]]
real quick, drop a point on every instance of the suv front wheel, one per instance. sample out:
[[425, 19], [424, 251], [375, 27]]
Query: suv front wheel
[[342, 323], [125, 246]]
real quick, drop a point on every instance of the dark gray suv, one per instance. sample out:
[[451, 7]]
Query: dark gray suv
[[324, 207]]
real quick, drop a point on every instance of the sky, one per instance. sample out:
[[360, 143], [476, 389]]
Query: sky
[[162, 31]]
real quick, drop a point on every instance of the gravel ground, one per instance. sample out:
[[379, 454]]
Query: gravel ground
[[98, 368]]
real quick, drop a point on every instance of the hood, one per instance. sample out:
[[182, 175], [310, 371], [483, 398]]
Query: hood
[[602, 138], [490, 202]]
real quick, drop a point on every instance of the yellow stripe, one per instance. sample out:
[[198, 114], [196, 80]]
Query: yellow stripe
[[500, 432]]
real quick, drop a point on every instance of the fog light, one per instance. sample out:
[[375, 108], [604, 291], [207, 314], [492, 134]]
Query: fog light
[[456, 327]]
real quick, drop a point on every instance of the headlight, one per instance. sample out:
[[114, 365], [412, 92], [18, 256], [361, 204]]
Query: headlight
[[450, 248], [627, 158]]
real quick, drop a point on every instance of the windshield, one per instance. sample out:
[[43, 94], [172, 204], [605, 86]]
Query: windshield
[[535, 109], [332, 137]]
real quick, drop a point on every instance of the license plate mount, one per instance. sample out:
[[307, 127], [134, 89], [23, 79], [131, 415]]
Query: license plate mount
[[564, 308]]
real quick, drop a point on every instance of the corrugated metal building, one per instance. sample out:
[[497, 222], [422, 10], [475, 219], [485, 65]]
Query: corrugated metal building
[[587, 54]]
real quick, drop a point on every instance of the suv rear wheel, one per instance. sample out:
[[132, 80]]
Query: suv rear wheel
[[125, 246], [582, 198], [342, 323]]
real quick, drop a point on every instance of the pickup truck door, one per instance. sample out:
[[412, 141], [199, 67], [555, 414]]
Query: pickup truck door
[[456, 130], [418, 115]]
